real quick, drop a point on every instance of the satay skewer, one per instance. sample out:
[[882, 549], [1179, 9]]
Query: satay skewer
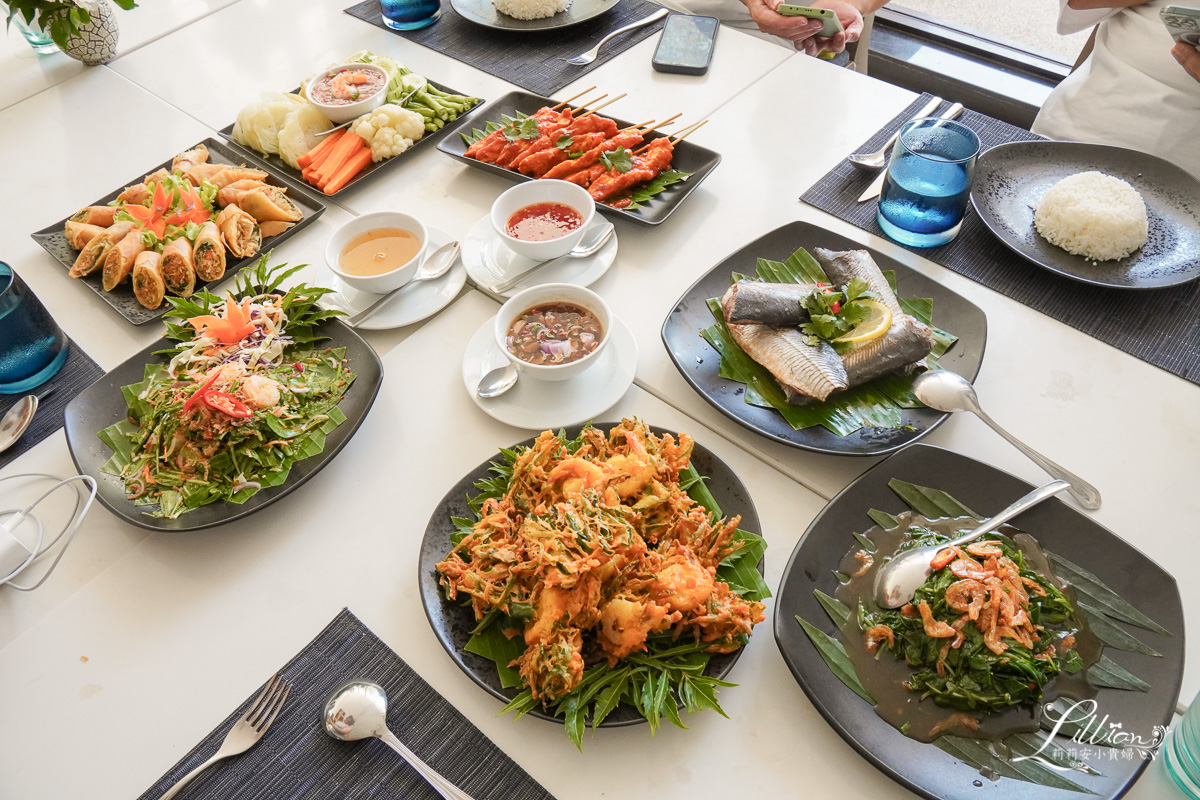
[[677, 137], [602, 105], [666, 121], [635, 127], [567, 102]]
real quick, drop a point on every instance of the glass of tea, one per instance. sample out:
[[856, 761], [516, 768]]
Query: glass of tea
[[32, 346], [928, 182], [409, 15]]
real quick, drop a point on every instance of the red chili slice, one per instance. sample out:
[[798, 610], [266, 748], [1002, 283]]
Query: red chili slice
[[227, 404], [199, 395]]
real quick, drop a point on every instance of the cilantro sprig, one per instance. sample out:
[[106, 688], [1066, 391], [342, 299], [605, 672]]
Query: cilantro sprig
[[525, 128], [620, 160], [832, 312]]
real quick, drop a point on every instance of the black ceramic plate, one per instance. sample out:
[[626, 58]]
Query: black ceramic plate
[[689, 157], [278, 165], [452, 622], [1012, 178], [1057, 526], [101, 404], [483, 12], [698, 362], [54, 240]]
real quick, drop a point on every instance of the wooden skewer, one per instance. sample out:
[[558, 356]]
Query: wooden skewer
[[602, 105], [635, 127], [667, 121], [581, 106], [681, 135], [569, 99]]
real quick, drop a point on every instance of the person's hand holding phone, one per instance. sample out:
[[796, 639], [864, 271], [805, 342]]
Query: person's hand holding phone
[[852, 26], [1188, 57], [797, 30]]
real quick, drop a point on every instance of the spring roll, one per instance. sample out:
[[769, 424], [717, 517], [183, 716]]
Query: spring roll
[[137, 194], [119, 261], [231, 174], [91, 258], [274, 228], [96, 215], [208, 254], [239, 231], [148, 284], [234, 192], [190, 158], [80, 233], [268, 204], [178, 272], [203, 172]]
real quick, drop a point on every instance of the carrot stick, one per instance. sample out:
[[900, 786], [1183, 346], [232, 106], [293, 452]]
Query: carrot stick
[[328, 175], [321, 148], [341, 151], [356, 164]]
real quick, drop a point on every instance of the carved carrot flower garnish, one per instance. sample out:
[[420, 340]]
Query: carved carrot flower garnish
[[188, 208], [151, 217], [229, 329]]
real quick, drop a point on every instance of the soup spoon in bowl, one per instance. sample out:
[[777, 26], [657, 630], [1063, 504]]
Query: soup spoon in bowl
[[435, 266]]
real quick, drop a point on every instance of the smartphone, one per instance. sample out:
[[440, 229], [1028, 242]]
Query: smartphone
[[686, 44], [1183, 24], [833, 25]]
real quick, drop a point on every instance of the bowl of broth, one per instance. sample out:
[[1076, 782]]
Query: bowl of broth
[[554, 331], [377, 252], [542, 219]]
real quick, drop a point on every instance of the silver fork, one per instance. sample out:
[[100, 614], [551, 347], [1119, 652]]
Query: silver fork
[[246, 732], [583, 59]]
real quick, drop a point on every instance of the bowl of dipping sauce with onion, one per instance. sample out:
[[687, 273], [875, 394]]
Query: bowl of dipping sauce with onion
[[554, 331], [377, 252], [543, 219]]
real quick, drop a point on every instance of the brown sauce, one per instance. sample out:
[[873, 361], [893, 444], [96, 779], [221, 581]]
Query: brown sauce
[[378, 251], [884, 676], [541, 222], [554, 333]]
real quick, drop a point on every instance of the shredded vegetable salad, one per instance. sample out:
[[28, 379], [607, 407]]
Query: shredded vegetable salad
[[238, 402]]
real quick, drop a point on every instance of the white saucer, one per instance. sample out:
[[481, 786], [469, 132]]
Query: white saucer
[[489, 261], [414, 303], [538, 405]]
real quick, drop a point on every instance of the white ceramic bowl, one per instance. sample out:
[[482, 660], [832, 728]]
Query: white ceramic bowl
[[377, 284], [542, 191], [553, 293], [337, 114]]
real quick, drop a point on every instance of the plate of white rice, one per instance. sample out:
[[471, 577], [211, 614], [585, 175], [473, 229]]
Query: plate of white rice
[[530, 15], [1099, 214]]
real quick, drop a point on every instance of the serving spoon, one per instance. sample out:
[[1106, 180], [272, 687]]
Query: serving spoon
[[943, 390], [434, 266], [358, 710], [17, 421], [898, 580]]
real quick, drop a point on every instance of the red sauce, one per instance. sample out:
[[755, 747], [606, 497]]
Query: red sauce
[[543, 221]]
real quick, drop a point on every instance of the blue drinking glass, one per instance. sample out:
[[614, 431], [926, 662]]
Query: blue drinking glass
[[1181, 752], [32, 346], [928, 182], [408, 15]]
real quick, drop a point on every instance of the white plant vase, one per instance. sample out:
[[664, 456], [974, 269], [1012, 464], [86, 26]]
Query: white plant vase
[[97, 40]]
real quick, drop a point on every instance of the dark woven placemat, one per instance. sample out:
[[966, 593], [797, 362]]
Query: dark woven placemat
[[78, 373], [297, 759], [1160, 327], [532, 61]]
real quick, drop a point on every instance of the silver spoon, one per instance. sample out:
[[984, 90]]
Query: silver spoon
[[870, 162], [358, 710], [596, 237], [497, 381], [898, 580], [944, 390], [434, 266], [16, 421]]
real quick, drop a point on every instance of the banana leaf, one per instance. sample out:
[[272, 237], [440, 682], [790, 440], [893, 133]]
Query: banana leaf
[[877, 404]]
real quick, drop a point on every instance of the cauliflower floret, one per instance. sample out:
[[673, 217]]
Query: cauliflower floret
[[389, 130]]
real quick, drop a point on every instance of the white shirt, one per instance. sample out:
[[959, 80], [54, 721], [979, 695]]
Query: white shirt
[[1131, 91]]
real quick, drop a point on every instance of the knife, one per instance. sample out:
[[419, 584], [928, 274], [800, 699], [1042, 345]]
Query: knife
[[877, 185]]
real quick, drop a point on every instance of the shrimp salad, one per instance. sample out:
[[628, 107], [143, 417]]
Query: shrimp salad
[[590, 552], [983, 633], [239, 401]]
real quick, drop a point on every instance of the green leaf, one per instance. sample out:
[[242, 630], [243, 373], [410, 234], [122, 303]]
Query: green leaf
[[525, 128], [838, 611], [620, 160], [1100, 597], [644, 192], [492, 644], [836, 659], [883, 519], [978, 755], [929, 503], [1112, 634], [1107, 672]]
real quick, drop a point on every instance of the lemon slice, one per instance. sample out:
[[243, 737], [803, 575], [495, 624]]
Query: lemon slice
[[873, 327]]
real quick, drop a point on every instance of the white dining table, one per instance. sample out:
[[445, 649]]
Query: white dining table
[[141, 642]]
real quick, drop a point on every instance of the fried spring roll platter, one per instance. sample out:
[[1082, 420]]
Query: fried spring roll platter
[[189, 218]]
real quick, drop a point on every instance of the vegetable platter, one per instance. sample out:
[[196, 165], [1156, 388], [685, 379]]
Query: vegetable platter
[[282, 129], [691, 162], [55, 241]]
